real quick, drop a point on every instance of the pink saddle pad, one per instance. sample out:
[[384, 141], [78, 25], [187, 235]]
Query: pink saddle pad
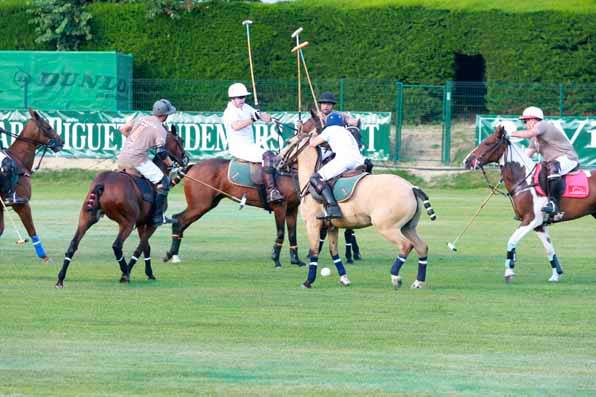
[[576, 184]]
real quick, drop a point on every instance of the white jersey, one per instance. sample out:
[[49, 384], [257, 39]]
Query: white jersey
[[342, 143], [241, 143]]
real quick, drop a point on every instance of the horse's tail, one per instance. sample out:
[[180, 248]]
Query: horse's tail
[[93, 198], [419, 193]]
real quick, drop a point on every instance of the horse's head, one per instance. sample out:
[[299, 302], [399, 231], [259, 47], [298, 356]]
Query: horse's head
[[490, 150], [175, 148], [39, 132]]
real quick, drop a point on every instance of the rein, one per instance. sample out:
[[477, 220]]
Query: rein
[[34, 142]]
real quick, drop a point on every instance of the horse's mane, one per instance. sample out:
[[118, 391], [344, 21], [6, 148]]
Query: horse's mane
[[518, 154]]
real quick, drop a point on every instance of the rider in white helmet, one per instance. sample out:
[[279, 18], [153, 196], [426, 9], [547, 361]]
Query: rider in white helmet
[[143, 133], [556, 149], [238, 119]]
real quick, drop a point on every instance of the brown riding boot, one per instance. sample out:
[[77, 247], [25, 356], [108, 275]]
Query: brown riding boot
[[273, 194]]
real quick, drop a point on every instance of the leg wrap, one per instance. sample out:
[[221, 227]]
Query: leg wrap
[[554, 263], [422, 262], [510, 261], [397, 264], [39, 250], [341, 270], [312, 269]]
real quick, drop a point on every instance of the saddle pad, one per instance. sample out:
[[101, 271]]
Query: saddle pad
[[145, 186], [344, 187], [239, 173], [576, 184]]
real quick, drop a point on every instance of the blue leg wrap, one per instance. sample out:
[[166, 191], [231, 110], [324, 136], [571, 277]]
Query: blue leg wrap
[[399, 262], [422, 262], [340, 266], [39, 250], [312, 269]]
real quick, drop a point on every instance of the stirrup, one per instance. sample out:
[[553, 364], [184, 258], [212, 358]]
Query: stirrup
[[550, 208], [274, 196], [163, 220], [13, 199]]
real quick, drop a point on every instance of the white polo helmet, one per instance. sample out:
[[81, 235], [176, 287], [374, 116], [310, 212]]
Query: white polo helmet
[[532, 112], [237, 89], [163, 107]]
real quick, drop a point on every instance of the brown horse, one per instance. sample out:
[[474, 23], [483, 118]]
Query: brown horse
[[517, 171], [388, 202], [37, 133], [206, 184], [117, 195]]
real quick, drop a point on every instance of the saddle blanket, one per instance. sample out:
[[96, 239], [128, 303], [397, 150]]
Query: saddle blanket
[[576, 183], [244, 173]]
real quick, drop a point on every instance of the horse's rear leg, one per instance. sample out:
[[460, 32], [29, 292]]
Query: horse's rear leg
[[421, 248], [86, 220], [332, 236], [291, 217], [557, 270], [125, 228], [24, 212]]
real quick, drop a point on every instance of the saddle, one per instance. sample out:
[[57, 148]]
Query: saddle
[[343, 185], [146, 187], [576, 182]]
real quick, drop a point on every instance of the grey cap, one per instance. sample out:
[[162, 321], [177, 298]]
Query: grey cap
[[327, 97], [163, 107]]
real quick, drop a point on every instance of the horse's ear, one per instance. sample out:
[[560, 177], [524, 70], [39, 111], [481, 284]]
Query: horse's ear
[[33, 114], [173, 129], [313, 112]]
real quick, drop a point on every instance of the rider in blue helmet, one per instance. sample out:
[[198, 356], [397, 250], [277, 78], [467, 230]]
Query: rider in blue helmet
[[334, 118]]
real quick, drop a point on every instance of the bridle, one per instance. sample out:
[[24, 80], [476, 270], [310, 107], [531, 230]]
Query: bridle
[[180, 161]]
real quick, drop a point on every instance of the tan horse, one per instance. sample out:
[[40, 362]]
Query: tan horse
[[388, 202]]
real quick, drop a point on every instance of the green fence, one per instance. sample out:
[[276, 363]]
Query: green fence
[[430, 123]]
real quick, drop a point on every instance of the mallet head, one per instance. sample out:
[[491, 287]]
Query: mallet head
[[247, 22], [300, 46], [297, 32], [452, 247], [22, 241]]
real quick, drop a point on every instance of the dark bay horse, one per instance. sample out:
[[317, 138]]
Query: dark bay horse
[[37, 134], [206, 184], [117, 195], [517, 171]]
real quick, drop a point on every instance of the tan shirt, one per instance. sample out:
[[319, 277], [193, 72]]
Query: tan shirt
[[147, 132], [551, 142]]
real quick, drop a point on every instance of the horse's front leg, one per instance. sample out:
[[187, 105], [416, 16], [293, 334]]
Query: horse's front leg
[[137, 252], [557, 270], [24, 212], [280, 224], [291, 218], [147, 252], [332, 236], [313, 229], [125, 229], [515, 238]]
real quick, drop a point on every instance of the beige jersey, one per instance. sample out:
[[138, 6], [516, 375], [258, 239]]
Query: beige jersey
[[147, 132], [551, 142]]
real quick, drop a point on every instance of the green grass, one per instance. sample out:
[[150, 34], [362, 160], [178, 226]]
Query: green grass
[[224, 322], [572, 6]]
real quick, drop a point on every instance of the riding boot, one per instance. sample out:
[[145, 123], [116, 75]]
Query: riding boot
[[332, 210], [13, 199], [161, 203], [555, 190], [273, 194]]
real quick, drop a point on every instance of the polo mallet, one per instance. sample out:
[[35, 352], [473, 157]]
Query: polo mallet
[[299, 48], [21, 240], [296, 35], [247, 23], [452, 246]]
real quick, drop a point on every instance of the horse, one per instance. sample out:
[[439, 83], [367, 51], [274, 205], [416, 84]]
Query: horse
[[37, 134], [517, 173], [388, 202], [206, 183], [117, 195]]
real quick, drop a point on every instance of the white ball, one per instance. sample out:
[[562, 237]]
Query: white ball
[[325, 272]]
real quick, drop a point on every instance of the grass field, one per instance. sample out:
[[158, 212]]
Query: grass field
[[224, 322]]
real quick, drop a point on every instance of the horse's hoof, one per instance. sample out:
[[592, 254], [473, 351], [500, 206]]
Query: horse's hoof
[[175, 259], [357, 257], [47, 259], [396, 281], [554, 278], [509, 274], [124, 279], [151, 277], [59, 285], [277, 264], [417, 284], [349, 260], [306, 284], [344, 281], [277, 267], [299, 263], [167, 257]]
